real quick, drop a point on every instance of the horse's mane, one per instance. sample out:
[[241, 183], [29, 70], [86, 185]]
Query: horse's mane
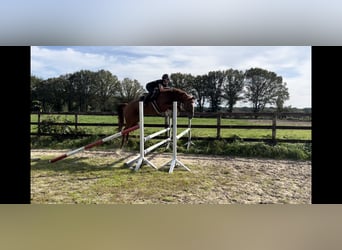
[[179, 90], [181, 94], [176, 93]]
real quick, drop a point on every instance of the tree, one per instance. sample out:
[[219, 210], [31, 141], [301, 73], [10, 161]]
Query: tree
[[34, 86], [130, 90], [106, 89], [199, 85], [283, 95], [182, 81], [41, 92], [69, 92], [214, 89], [58, 95], [233, 83], [52, 93], [83, 84], [263, 87]]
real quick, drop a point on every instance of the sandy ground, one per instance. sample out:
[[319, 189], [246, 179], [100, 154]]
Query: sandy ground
[[237, 180]]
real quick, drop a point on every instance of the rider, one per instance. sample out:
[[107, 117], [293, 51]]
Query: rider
[[155, 87]]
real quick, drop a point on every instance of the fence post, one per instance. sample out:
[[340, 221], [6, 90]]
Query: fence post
[[274, 128], [76, 121], [218, 133]]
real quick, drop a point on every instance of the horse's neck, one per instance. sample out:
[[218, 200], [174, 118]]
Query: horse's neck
[[178, 96], [165, 100]]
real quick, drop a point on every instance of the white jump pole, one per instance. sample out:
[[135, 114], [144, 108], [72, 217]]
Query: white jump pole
[[174, 161], [141, 160], [189, 136]]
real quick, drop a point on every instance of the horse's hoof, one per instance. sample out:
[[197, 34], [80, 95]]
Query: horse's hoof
[[117, 152]]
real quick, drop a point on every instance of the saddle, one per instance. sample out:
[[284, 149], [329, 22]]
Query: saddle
[[153, 99]]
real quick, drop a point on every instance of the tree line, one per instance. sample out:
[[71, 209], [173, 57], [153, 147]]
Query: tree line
[[87, 90]]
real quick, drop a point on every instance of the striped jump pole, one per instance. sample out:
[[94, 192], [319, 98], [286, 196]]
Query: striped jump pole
[[174, 161], [96, 143]]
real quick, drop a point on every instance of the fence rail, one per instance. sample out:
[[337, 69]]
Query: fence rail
[[219, 116]]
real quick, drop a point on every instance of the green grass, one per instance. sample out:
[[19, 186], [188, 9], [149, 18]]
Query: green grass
[[117, 184], [104, 179], [196, 132], [294, 151], [236, 147], [298, 151]]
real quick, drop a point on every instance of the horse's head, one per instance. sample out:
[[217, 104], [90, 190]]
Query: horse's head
[[186, 101], [189, 106]]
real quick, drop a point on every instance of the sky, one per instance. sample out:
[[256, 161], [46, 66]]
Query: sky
[[148, 63]]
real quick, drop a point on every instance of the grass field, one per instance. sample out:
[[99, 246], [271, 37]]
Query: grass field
[[100, 177], [236, 147], [276, 174], [196, 132]]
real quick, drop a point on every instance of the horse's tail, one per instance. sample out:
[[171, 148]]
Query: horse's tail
[[120, 110]]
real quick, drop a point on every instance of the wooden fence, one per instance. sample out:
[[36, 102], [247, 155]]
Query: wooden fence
[[275, 117]]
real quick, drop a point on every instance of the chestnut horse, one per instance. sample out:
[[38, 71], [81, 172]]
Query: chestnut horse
[[128, 113]]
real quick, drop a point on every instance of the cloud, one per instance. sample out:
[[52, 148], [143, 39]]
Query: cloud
[[147, 63], [47, 62]]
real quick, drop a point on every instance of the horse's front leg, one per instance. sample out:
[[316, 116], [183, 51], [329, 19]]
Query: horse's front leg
[[124, 139]]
